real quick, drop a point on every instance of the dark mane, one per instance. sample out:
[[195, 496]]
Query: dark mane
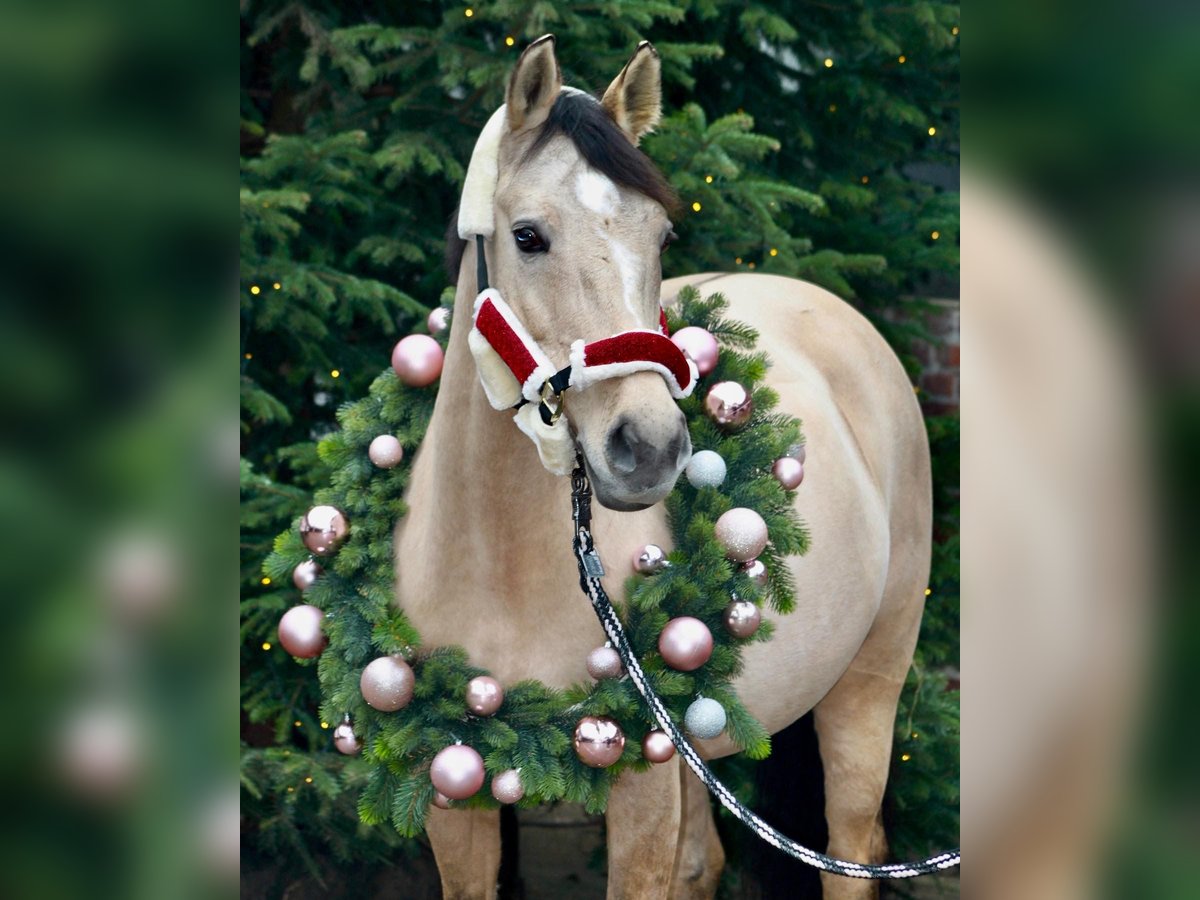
[[602, 145]]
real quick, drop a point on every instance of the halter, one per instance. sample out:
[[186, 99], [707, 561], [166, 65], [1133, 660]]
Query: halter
[[514, 370]]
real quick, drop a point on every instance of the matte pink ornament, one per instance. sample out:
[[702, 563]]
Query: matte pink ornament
[[650, 559], [438, 319], [306, 574], [324, 529], [484, 695], [346, 740], [605, 662], [386, 451], [729, 405], [457, 772], [300, 631], [755, 571], [440, 800], [599, 741], [742, 618], [742, 533], [507, 787], [417, 360], [788, 472], [700, 345], [657, 747], [387, 683], [685, 643]]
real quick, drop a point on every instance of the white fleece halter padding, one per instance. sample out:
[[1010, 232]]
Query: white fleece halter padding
[[555, 447]]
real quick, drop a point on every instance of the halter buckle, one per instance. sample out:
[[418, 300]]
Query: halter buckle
[[551, 401]]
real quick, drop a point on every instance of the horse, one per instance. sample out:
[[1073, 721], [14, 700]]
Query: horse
[[483, 555]]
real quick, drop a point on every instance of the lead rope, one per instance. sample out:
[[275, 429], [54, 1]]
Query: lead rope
[[590, 571]]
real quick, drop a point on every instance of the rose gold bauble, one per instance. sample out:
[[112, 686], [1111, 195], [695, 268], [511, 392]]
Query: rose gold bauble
[[755, 571], [729, 405], [649, 559], [417, 360], [685, 643], [742, 618], [324, 529], [438, 319], [742, 532], [346, 740], [305, 574], [605, 662], [300, 631], [699, 345], [484, 695], [599, 741], [657, 747], [386, 451], [457, 771], [788, 472], [797, 452], [387, 683], [507, 787], [440, 800]]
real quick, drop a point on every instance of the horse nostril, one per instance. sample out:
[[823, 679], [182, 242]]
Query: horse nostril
[[622, 448]]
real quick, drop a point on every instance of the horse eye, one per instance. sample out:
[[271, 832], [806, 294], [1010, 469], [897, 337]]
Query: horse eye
[[528, 240], [671, 238]]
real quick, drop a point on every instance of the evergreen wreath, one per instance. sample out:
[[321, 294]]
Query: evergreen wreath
[[532, 731]]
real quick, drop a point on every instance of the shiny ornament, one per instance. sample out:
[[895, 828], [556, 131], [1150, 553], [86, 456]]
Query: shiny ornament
[[507, 787], [742, 533], [387, 683], [755, 571], [797, 452], [742, 618], [788, 472], [657, 747], [457, 771], [306, 574], [440, 800], [484, 695], [438, 319], [605, 662], [685, 643], [705, 469], [649, 560], [386, 451], [324, 529], [700, 345], [704, 719], [729, 405], [417, 360], [599, 741], [300, 631], [346, 740]]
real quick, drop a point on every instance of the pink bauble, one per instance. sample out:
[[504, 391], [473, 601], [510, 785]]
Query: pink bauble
[[742, 533], [386, 451], [440, 800], [650, 559], [742, 618], [417, 360], [324, 529], [605, 662], [300, 631], [657, 747], [599, 741], [699, 345], [788, 472], [685, 643], [484, 695], [438, 319], [457, 772], [755, 571], [346, 740], [387, 683], [507, 787], [729, 405], [305, 574], [797, 452]]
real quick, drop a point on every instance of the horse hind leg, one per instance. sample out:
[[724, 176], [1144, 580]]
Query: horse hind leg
[[700, 857], [466, 845]]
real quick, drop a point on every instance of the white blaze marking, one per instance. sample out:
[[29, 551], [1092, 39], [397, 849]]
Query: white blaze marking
[[596, 192], [627, 267]]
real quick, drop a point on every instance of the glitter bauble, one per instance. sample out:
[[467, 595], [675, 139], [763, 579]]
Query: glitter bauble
[[755, 571], [700, 345], [457, 771], [599, 741], [706, 468], [507, 787], [649, 560], [605, 662], [324, 529], [742, 533], [484, 695], [685, 643], [417, 360], [346, 740], [657, 747], [788, 472], [305, 574], [438, 319], [387, 683], [729, 405], [742, 618], [386, 451], [704, 719], [300, 631]]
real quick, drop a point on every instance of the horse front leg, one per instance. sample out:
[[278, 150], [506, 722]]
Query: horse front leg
[[466, 845], [643, 822]]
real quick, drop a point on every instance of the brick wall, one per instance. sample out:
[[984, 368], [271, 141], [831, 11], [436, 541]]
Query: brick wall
[[938, 387]]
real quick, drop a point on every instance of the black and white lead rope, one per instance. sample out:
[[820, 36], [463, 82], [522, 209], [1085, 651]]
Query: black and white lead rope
[[590, 571]]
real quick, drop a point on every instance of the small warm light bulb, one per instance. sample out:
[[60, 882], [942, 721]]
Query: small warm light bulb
[[915, 735], [928, 591], [738, 260], [696, 206], [509, 41], [297, 723], [336, 373], [864, 179], [902, 59], [932, 131], [266, 580], [324, 724], [774, 252], [917, 390], [828, 63], [468, 12], [248, 355], [291, 790], [254, 288], [277, 285], [905, 758], [833, 107], [708, 179], [954, 30], [751, 265], [308, 780], [266, 645], [935, 234]]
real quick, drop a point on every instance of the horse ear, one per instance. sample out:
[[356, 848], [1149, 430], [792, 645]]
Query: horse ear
[[534, 85], [634, 99]]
